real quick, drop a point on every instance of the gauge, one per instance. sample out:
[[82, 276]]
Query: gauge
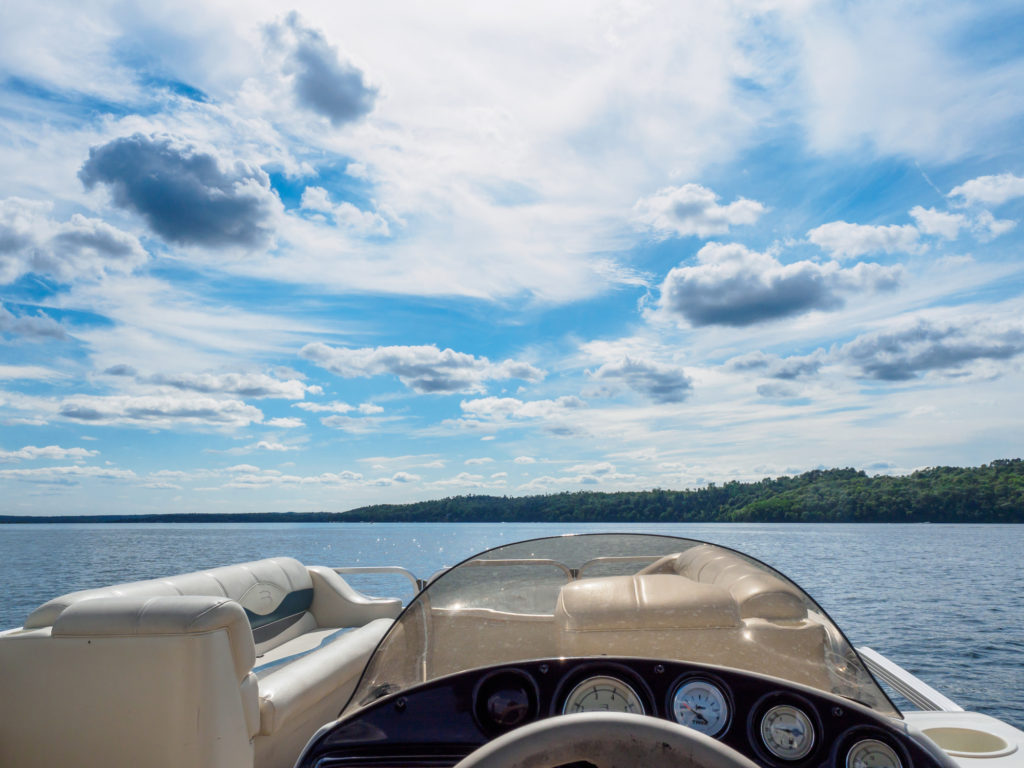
[[701, 705], [602, 694], [787, 732], [872, 753]]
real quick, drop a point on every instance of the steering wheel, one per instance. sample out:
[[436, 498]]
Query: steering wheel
[[605, 740]]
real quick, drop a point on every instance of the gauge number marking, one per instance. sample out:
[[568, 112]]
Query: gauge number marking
[[603, 694]]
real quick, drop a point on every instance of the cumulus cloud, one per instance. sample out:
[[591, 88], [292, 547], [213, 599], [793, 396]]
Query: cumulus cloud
[[734, 286], [37, 327], [660, 382], [284, 423], [153, 410], [32, 242], [989, 190], [47, 453], [344, 214], [844, 240], [323, 81], [480, 460], [257, 385], [773, 366], [424, 369], [186, 195], [71, 475], [986, 226], [693, 210], [906, 353], [511, 408], [524, 460], [933, 222]]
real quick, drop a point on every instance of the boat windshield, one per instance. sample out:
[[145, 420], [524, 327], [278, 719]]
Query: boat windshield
[[634, 595]]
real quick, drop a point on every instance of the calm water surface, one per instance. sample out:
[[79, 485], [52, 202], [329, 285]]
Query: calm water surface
[[944, 601]]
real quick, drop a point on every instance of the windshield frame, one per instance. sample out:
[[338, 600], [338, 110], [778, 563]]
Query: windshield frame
[[367, 691]]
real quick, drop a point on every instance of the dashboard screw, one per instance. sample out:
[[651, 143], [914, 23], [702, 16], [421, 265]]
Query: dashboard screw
[[400, 704], [659, 669], [837, 711], [543, 668]]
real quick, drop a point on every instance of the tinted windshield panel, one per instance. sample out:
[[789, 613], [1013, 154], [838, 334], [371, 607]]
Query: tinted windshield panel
[[618, 595]]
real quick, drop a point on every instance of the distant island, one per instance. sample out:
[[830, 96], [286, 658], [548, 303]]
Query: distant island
[[991, 493]]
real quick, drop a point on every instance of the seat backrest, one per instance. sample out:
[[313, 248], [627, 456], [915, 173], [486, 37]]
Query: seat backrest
[[276, 594]]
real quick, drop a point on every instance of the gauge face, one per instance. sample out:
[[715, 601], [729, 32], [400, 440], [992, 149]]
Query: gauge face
[[787, 732], [871, 753], [701, 705], [602, 694]]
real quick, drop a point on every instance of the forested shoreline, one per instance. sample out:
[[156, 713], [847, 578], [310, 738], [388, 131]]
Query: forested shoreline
[[991, 493]]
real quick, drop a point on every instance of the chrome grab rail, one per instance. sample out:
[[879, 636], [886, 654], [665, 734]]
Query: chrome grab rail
[[417, 584], [569, 573], [914, 690], [618, 559]]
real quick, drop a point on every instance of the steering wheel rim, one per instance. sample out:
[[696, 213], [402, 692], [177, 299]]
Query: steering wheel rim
[[607, 740]]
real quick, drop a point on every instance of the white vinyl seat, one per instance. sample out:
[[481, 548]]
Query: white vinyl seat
[[231, 667]]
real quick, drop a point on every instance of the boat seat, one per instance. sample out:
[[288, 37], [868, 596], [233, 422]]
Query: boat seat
[[231, 667], [758, 593]]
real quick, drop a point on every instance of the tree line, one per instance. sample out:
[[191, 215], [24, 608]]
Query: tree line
[[991, 493]]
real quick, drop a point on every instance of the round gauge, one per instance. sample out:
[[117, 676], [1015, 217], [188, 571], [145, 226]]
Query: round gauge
[[872, 753], [700, 705], [602, 694], [787, 732]]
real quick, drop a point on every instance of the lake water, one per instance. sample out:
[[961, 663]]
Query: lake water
[[944, 601]]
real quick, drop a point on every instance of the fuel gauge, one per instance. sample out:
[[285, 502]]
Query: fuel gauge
[[787, 732], [702, 706]]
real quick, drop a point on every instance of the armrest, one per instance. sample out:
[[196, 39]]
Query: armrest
[[336, 604], [161, 616]]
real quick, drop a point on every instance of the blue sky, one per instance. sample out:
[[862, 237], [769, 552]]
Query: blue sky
[[264, 258]]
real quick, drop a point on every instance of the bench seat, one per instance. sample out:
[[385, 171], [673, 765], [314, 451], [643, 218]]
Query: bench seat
[[234, 667]]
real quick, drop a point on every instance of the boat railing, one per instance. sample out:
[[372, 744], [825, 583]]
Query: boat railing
[[570, 573], [354, 570], [913, 689]]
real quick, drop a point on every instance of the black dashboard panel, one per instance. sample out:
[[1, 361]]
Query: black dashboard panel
[[440, 722]]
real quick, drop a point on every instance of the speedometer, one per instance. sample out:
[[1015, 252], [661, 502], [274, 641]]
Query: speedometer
[[701, 705], [871, 753], [602, 694]]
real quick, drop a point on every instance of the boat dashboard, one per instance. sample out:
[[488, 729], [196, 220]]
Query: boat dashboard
[[773, 723]]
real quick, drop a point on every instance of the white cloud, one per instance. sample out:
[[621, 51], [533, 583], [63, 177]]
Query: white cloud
[[693, 210], [71, 475], [734, 286], [48, 453], [30, 372], [525, 460], [477, 461], [284, 423], [990, 190], [844, 240], [933, 222], [257, 385], [498, 409], [344, 214], [660, 382], [78, 249], [424, 369], [405, 477], [987, 226], [155, 410]]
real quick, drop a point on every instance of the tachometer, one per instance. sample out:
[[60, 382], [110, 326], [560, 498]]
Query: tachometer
[[872, 753], [602, 694], [702, 706], [787, 732]]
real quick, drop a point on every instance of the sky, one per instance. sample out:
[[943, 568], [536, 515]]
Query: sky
[[266, 257]]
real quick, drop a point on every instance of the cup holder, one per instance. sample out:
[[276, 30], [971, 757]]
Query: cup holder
[[968, 742]]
